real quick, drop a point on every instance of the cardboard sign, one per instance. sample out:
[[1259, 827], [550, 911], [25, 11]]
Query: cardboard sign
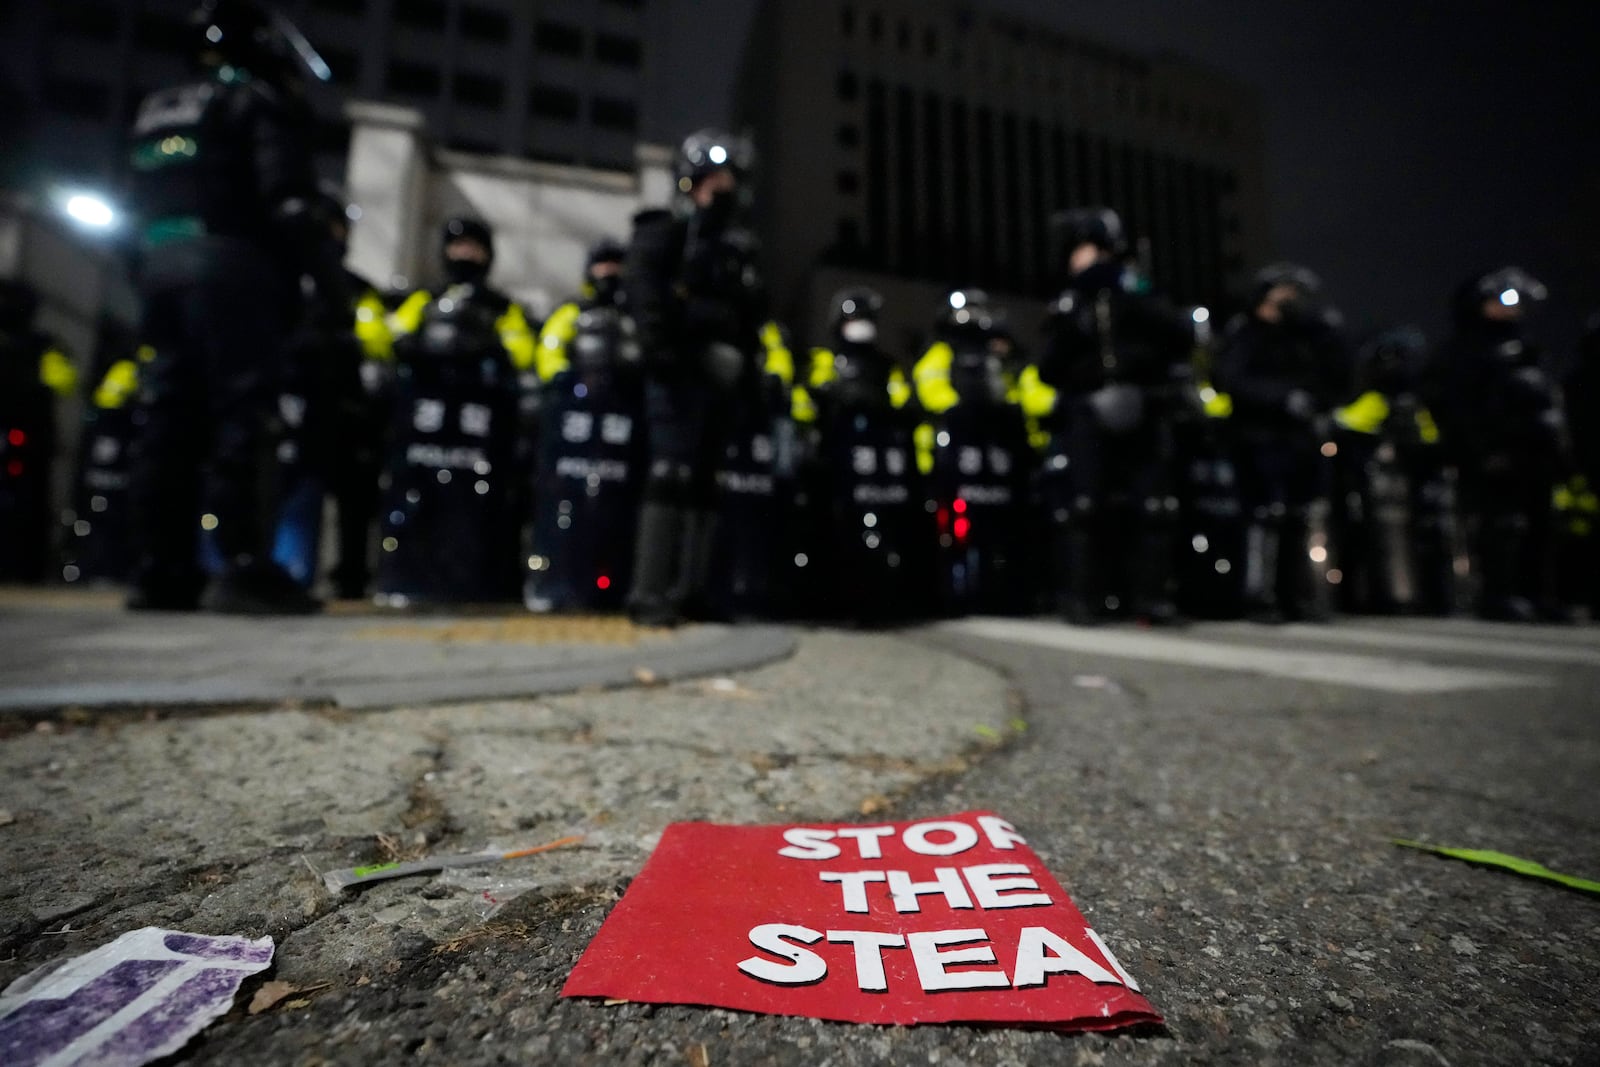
[[948, 920]]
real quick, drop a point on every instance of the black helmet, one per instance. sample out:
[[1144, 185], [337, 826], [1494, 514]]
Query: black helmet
[[966, 313], [1270, 277], [1393, 360], [854, 315], [257, 38], [605, 250], [1512, 286], [470, 230], [1098, 226], [708, 150]]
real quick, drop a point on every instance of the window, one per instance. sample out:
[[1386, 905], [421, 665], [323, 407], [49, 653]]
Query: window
[[77, 97], [612, 114], [94, 22], [414, 79], [849, 135], [161, 33], [558, 38], [618, 51], [480, 90], [483, 24], [847, 20], [847, 86], [421, 14], [554, 102], [848, 181]]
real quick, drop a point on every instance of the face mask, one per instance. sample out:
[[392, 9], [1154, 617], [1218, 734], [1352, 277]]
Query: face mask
[[605, 289], [859, 331], [465, 271], [722, 207]]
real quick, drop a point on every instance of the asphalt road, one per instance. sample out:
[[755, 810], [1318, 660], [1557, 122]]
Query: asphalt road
[[1220, 803]]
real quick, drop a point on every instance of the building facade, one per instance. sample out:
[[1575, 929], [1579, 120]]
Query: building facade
[[561, 81], [927, 144]]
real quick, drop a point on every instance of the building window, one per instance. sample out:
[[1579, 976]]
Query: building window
[[483, 24], [609, 113], [78, 97], [934, 250], [414, 79], [626, 3], [479, 90], [849, 135], [877, 175], [987, 151], [875, 27], [558, 38], [420, 14], [847, 20], [554, 102], [92, 22], [902, 35], [905, 150], [847, 87], [848, 182], [960, 190], [930, 42], [342, 7], [618, 51], [161, 33]]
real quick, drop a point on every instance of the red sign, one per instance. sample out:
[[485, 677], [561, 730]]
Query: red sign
[[950, 920]]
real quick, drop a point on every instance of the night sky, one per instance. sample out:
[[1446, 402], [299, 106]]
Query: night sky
[[1409, 143]]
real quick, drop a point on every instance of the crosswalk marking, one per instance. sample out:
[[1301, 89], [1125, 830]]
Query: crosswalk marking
[[1385, 673], [1394, 637]]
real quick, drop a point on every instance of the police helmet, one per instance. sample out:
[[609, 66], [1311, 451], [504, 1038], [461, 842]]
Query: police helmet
[[469, 229], [255, 37], [966, 313], [1098, 226], [1291, 274], [708, 150], [1511, 286], [854, 318], [605, 250]]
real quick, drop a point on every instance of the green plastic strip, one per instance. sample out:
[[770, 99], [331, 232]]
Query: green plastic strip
[[1510, 863], [362, 872]]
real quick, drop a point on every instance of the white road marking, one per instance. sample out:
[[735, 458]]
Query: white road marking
[[1384, 673]]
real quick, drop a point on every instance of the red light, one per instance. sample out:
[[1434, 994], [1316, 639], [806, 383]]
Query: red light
[[943, 516], [960, 506], [17, 438], [602, 582], [962, 528]]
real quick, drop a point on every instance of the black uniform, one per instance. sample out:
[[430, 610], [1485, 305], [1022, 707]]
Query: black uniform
[[690, 286], [222, 184], [1284, 378], [1501, 419], [32, 372], [1113, 352]]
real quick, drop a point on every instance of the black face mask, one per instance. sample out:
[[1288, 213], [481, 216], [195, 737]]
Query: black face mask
[[606, 289], [465, 271], [1500, 331], [717, 214], [1106, 274]]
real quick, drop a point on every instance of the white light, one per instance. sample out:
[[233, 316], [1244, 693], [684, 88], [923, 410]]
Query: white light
[[1200, 543], [869, 520], [91, 210], [718, 154], [213, 34], [1510, 298], [943, 439], [1223, 566], [958, 300], [1201, 315], [1319, 555], [800, 559]]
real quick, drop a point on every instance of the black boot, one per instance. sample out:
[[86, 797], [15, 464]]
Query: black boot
[[692, 591], [1262, 541], [1150, 574], [1500, 556], [251, 586], [657, 554], [1076, 557]]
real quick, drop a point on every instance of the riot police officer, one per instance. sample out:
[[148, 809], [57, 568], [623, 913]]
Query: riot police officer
[[1285, 366], [34, 373], [1112, 352], [588, 466], [222, 184], [457, 450], [1500, 417], [689, 284]]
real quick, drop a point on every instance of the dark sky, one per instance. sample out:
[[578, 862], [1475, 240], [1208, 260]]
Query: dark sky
[[1409, 143]]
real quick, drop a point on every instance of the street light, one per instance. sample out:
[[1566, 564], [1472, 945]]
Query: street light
[[89, 210]]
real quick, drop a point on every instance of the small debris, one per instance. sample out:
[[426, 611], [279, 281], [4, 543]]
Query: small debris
[[646, 676], [612, 1002], [697, 1055], [1462, 945], [6, 818], [876, 803]]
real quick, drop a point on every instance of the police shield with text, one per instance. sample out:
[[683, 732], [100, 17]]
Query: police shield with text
[[974, 451], [873, 532], [1501, 419], [1285, 366], [449, 526], [1112, 351], [688, 286], [222, 184], [588, 467]]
